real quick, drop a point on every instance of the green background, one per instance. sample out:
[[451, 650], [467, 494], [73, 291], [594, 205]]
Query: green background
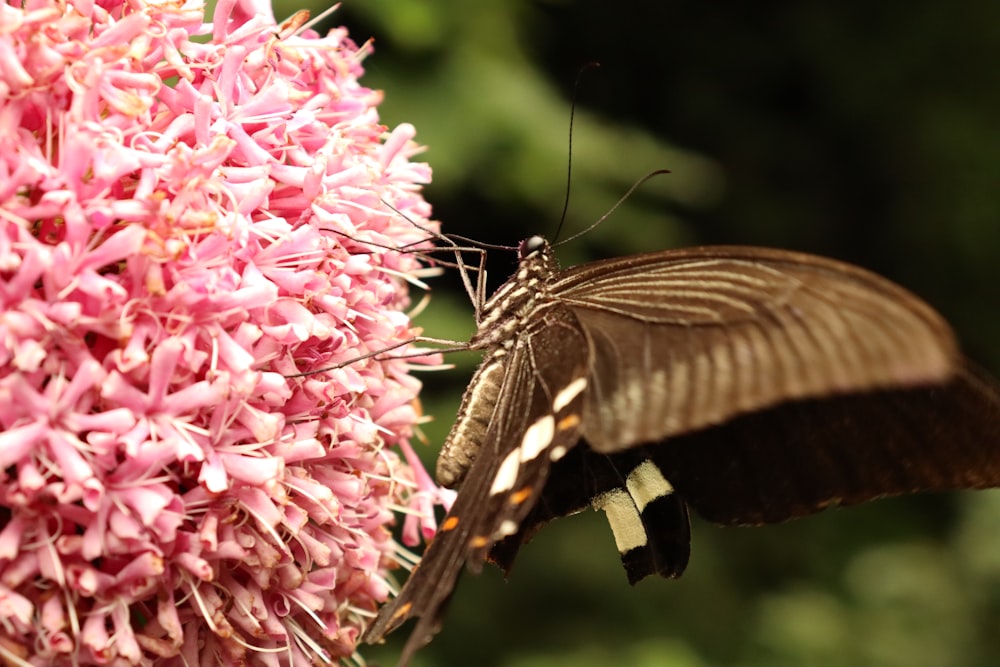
[[865, 131]]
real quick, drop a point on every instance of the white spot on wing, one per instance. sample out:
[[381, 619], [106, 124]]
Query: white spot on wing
[[508, 527], [537, 438], [646, 483], [506, 474], [568, 393], [623, 516], [557, 453]]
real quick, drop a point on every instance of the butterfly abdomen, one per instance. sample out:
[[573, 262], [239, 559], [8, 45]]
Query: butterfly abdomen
[[467, 435]]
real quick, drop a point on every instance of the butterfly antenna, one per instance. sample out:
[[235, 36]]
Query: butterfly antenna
[[569, 160], [621, 200]]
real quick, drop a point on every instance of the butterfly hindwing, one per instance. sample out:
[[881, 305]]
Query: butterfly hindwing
[[804, 456], [648, 520]]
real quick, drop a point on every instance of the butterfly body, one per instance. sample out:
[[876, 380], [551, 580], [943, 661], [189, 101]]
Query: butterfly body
[[753, 385]]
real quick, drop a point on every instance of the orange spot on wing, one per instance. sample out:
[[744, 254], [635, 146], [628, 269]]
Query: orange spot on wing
[[519, 497], [479, 542], [449, 523], [402, 611], [568, 422]]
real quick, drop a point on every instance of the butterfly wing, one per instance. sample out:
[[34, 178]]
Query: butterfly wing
[[772, 383], [803, 456], [535, 422], [776, 464], [692, 338], [649, 521]]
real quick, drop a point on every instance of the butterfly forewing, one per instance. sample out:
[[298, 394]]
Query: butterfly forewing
[[558, 356], [688, 339], [534, 421], [431, 584]]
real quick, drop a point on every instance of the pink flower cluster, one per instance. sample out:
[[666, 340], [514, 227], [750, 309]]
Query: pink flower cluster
[[195, 221]]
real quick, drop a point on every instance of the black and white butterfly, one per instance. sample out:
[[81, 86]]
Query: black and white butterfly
[[752, 385]]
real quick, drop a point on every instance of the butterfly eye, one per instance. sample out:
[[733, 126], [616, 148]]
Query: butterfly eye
[[530, 245]]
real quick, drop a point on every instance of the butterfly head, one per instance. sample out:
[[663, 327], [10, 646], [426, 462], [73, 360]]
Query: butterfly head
[[530, 246], [505, 312], [536, 262]]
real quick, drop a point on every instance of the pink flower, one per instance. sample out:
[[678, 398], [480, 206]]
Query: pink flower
[[191, 231]]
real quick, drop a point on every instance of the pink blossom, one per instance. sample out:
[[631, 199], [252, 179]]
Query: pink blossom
[[193, 236]]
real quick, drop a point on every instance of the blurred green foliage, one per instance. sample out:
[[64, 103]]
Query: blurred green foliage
[[864, 131]]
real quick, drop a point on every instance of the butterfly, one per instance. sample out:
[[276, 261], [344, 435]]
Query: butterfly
[[751, 385]]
